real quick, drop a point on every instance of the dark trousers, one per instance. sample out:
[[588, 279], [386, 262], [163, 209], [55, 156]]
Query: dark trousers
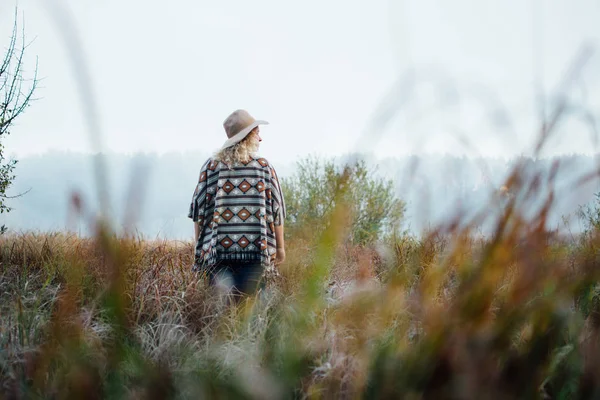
[[243, 278]]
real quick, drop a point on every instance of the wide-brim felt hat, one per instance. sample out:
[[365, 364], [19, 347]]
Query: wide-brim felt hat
[[238, 125]]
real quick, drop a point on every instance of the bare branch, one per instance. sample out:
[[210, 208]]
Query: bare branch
[[11, 48], [3, 196], [16, 93], [15, 98]]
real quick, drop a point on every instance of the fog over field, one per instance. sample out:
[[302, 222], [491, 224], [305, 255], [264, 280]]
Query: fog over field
[[157, 189]]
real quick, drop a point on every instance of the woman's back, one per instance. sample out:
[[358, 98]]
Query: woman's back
[[237, 207]]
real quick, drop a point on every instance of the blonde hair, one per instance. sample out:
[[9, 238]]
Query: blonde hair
[[241, 152]]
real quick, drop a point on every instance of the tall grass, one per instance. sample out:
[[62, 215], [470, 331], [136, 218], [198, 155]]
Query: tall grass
[[449, 315]]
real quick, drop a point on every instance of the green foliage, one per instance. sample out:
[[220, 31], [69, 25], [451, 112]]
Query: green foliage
[[311, 193], [588, 299], [589, 214]]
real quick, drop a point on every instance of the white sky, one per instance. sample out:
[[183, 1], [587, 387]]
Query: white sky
[[167, 73]]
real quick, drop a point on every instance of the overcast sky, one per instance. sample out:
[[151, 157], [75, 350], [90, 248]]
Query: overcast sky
[[165, 74]]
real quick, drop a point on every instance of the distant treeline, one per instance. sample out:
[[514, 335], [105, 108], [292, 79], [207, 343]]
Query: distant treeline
[[158, 188]]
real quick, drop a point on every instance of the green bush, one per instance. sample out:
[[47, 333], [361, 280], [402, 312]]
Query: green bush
[[318, 185]]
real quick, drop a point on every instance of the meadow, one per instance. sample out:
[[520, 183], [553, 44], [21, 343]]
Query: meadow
[[360, 309], [449, 314]]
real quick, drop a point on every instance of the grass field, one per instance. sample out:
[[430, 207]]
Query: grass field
[[447, 315]]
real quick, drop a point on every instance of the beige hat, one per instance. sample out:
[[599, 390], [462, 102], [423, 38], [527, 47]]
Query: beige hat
[[238, 125]]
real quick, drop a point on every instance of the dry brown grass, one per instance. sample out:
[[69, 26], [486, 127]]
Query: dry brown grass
[[449, 315]]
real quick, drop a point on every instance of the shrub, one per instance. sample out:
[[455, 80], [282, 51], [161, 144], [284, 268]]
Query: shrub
[[318, 185]]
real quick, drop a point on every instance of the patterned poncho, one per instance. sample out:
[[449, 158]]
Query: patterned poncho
[[237, 209]]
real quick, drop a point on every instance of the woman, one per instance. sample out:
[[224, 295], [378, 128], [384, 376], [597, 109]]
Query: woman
[[238, 209]]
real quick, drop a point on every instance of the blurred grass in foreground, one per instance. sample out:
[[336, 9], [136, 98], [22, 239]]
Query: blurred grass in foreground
[[450, 315]]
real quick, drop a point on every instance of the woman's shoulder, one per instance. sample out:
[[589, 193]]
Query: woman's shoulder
[[262, 162], [211, 164], [266, 166]]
